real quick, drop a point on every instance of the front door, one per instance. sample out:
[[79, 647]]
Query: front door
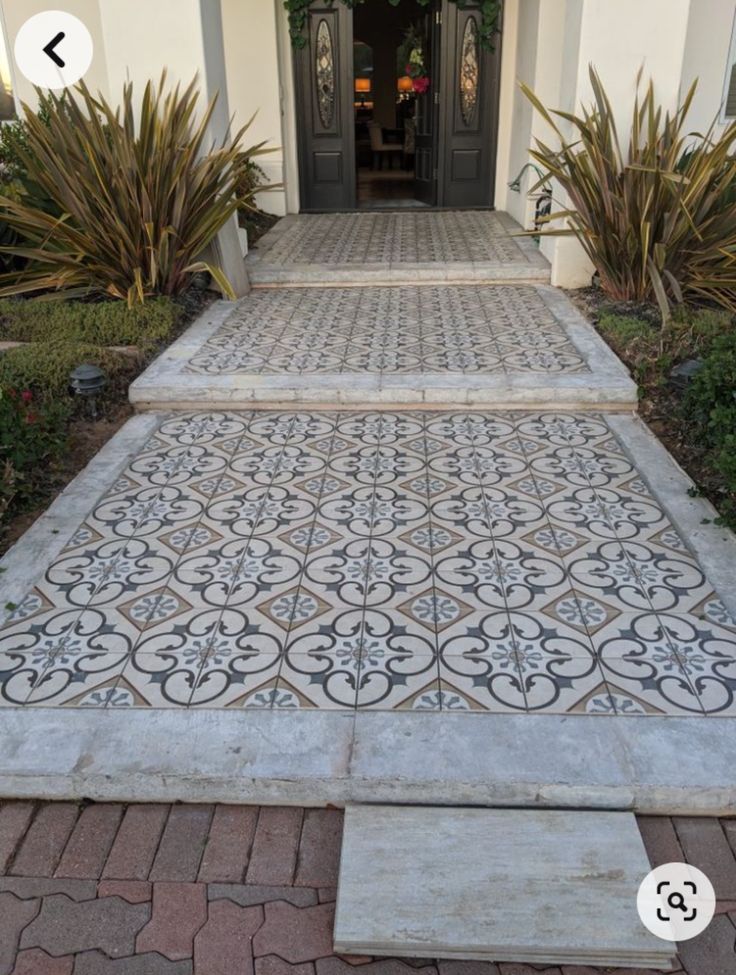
[[427, 113], [469, 108], [324, 69]]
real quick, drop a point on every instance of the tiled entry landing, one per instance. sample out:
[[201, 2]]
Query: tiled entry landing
[[364, 248], [413, 345], [513, 563]]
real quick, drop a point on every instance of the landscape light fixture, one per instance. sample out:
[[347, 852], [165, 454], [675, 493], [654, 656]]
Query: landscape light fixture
[[88, 381]]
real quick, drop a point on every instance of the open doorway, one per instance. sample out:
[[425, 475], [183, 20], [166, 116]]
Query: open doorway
[[393, 104]]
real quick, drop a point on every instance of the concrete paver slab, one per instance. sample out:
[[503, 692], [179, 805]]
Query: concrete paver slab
[[517, 885]]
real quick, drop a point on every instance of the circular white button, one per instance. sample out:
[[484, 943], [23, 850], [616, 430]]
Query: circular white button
[[54, 49], [676, 902]]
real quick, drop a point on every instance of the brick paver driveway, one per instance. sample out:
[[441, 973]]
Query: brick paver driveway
[[235, 890]]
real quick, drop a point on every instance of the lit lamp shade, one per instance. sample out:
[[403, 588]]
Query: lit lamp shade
[[362, 86], [405, 84]]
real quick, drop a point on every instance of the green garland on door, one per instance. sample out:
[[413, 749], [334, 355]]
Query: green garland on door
[[490, 17]]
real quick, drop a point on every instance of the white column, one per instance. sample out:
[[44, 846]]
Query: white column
[[185, 37]]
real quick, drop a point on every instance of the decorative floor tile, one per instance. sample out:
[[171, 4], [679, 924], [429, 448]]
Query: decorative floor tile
[[503, 562], [412, 329], [369, 238]]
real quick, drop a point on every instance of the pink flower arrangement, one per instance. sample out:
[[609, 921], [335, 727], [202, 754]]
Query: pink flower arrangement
[[421, 85]]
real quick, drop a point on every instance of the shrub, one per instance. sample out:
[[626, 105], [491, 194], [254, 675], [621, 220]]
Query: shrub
[[32, 433], [710, 403], [713, 388], [138, 196], [44, 367], [99, 323], [657, 219], [251, 179]]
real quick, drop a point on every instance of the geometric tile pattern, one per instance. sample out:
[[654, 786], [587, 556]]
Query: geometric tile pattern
[[381, 238], [411, 329], [507, 562]]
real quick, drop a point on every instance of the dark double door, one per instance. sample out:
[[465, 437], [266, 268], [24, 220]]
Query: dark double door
[[456, 119]]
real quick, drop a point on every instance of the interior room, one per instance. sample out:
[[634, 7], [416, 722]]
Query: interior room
[[391, 52]]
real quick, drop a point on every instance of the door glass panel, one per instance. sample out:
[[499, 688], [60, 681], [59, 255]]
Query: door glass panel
[[325, 74], [469, 71]]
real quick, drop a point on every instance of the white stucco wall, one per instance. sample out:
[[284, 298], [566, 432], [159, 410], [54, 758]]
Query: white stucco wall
[[252, 65], [557, 42], [706, 58], [17, 13]]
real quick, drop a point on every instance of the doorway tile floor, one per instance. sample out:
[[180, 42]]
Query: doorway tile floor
[[404, 245], [497, 562]]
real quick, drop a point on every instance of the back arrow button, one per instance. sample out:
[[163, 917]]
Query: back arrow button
[[50, 49]]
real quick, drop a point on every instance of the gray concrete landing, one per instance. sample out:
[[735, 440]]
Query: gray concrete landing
[[555, 888]]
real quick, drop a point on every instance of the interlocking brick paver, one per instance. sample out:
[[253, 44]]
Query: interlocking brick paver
[[134, 849], [15, 915], [713, 952], [275, 847], [384, 966], [37, 962], [514, 969], [319, 848], [182, 844], [224, 945], [729, 828], [296, 934], [226, 855], [132, 891], [273, 965], [95, 963], [68, 926], [65, 927], [246, 895], [179, 911], [706, 847], [660, 840], [15, 818], [86, 852], [44, 843], [467, 968], [29, 887]]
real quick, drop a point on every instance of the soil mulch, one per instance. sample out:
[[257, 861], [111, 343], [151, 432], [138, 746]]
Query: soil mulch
[[659, 403]]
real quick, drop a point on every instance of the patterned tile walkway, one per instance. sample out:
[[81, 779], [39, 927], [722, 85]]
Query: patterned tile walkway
[[410, 329], [399, 237], [235, 890], [402, 246], [512, 562]]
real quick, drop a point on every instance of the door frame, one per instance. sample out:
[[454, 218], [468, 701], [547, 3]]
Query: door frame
[[443, 109]]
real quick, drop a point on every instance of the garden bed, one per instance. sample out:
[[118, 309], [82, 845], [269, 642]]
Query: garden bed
[[50, 434], [681, 417]]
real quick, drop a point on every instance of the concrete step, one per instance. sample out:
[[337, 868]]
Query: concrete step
[[529, 886], [446, 348]]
